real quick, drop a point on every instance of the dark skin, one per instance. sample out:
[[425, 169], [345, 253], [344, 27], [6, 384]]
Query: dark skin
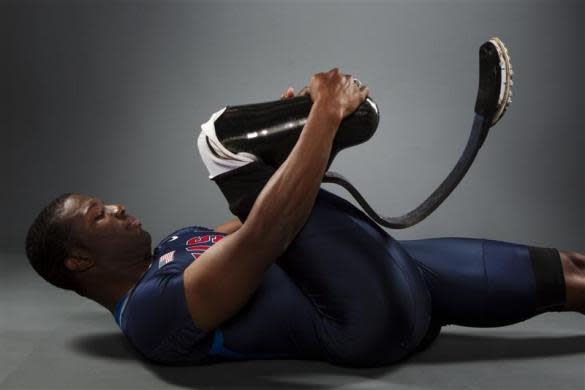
[[114, 253]]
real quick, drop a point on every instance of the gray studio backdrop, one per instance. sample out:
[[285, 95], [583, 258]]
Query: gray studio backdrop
[[107, 99]]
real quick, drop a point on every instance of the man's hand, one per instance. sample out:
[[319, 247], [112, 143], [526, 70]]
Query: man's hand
[[225, 276], [339, 91]]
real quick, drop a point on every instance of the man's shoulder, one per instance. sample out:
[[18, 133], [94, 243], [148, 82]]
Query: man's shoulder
[[185, 245]]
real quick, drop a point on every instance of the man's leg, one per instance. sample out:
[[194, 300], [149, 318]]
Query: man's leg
[[371, 304], [484, 283], [240, 177], [242, 184], [574, 273]]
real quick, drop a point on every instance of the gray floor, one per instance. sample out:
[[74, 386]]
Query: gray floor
[[52, 339]]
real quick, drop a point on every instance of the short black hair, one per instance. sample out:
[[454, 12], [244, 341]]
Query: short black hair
[[48, 243]]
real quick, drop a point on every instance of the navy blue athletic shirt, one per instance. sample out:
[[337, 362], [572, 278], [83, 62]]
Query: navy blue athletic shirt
[[153, 314]]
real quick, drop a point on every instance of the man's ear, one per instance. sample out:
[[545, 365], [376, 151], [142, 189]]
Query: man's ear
[[78, 261]]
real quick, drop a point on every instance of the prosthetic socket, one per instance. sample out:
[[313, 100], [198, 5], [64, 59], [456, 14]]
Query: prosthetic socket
[[270, 130]]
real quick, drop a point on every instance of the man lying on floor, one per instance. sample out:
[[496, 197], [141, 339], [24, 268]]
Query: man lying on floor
[[301, 274]]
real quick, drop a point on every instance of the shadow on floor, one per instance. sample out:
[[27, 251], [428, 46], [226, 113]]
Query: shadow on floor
[[254, 374], [267, 374], [464, 348], [105, 345]]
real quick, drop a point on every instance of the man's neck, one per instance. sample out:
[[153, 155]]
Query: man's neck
[[108, 292]]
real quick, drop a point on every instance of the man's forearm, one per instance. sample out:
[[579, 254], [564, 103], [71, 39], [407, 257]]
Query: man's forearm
[[285, 202], [224, 278]]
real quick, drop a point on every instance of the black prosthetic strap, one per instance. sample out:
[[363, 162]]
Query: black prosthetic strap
[[241, 186], [550, 281]]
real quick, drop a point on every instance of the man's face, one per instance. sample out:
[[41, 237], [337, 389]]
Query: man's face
[[105, 230]]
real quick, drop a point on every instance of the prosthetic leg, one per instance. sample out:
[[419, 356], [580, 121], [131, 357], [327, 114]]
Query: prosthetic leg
[[239, 135]]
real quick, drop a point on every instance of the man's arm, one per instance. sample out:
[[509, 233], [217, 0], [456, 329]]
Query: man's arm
[[229, 227], [224, 277]]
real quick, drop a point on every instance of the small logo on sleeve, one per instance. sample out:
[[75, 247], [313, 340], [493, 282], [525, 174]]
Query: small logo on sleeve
[[166, 258]]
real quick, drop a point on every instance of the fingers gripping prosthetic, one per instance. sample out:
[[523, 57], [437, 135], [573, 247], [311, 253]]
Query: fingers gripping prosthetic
[[239, 135]]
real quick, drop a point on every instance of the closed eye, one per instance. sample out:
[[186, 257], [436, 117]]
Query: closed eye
[[99, 216]]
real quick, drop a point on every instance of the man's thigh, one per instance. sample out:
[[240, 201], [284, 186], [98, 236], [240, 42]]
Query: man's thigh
[[278, 322]]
